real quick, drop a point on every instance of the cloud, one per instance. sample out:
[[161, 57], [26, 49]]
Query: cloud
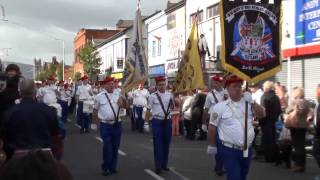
[[34, 24]]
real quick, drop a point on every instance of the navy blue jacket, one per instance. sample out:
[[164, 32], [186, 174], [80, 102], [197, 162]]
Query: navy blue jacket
[[29, 125]]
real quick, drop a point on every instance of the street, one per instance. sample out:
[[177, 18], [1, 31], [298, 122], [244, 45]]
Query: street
[[188, 159]]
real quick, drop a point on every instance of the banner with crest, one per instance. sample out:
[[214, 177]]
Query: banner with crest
[[251, 38]]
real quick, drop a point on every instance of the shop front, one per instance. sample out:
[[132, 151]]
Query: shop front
[[155, 71]]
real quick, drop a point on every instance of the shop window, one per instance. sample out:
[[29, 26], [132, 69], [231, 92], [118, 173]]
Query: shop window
[[120, 63]]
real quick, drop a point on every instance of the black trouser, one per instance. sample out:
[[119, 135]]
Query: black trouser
[[196, 122], [271, 151], [285, 153], [188, 126], [298, 136], [316, 149]]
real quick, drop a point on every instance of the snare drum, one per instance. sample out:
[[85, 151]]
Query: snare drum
[[88, 106]]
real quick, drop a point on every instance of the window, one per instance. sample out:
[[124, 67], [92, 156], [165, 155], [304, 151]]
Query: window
[[212, 11], [120, 63], [171, 21], [154, 48], [159, 47], [193, 17]]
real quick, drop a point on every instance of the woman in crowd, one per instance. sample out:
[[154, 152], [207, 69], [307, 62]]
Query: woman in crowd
[[297, 116]]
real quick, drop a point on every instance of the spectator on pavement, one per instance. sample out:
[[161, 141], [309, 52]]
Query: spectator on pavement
[[297, 121], [271, 103], [35, 165], [29, 125]]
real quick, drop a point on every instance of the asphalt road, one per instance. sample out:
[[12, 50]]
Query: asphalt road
[[188, 159]]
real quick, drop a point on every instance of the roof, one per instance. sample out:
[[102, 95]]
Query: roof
[[124, 23], [123, 31], [113, 38], [174, 6]]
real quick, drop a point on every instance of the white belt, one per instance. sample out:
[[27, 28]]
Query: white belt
[[109, 121], [233, 146]]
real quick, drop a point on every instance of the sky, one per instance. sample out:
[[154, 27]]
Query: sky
[[34, 25]]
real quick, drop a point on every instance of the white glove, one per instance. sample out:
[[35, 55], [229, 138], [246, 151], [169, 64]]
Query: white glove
[[204, 127], [17, 101], [248, 97], [212, 150]]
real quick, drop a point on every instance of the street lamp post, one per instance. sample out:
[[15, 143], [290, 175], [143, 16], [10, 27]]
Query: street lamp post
[[63, 56]]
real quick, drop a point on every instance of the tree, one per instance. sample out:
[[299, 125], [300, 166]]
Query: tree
[[77, 76], [91, 61], [59, 71], [52, 70]]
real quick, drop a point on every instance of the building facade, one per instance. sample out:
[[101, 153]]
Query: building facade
[[113, 53], [157, 44], [89, 35], [176, 37], [300, 46]]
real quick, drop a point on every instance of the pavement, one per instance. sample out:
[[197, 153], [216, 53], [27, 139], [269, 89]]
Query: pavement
[[188, 159]]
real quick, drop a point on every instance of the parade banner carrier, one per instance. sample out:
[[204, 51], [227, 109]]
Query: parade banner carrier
[[251, 38]]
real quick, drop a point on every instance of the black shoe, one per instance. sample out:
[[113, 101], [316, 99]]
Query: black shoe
[[201, 138], [219, 172], [87, 131], [105, 173], [82, 131], [113, 171], [277, 163], [288, 165], [165, 169], [158, 171]]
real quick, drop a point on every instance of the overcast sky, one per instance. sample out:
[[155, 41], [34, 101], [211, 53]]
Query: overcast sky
[[34, 24]]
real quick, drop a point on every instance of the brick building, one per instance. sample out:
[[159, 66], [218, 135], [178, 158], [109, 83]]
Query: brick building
[[88, 35]]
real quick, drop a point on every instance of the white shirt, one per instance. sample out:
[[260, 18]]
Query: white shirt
[[257, 96], [101, 103], [210, 100], [140, 97], [48, 93], [155, 106], [229, 118], [84, 91], [186, 107], [65, 94]]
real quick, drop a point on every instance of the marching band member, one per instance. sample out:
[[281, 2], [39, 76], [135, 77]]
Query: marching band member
[[140, 97], [218, 94], [227, 120], [65, 100], [83, 94], [160, 105], [106, 108]]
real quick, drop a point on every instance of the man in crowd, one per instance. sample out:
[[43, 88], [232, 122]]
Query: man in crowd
[[10, 93], [271, 103], [197, 114], [227, 120], [23, 129], [160, 105]]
